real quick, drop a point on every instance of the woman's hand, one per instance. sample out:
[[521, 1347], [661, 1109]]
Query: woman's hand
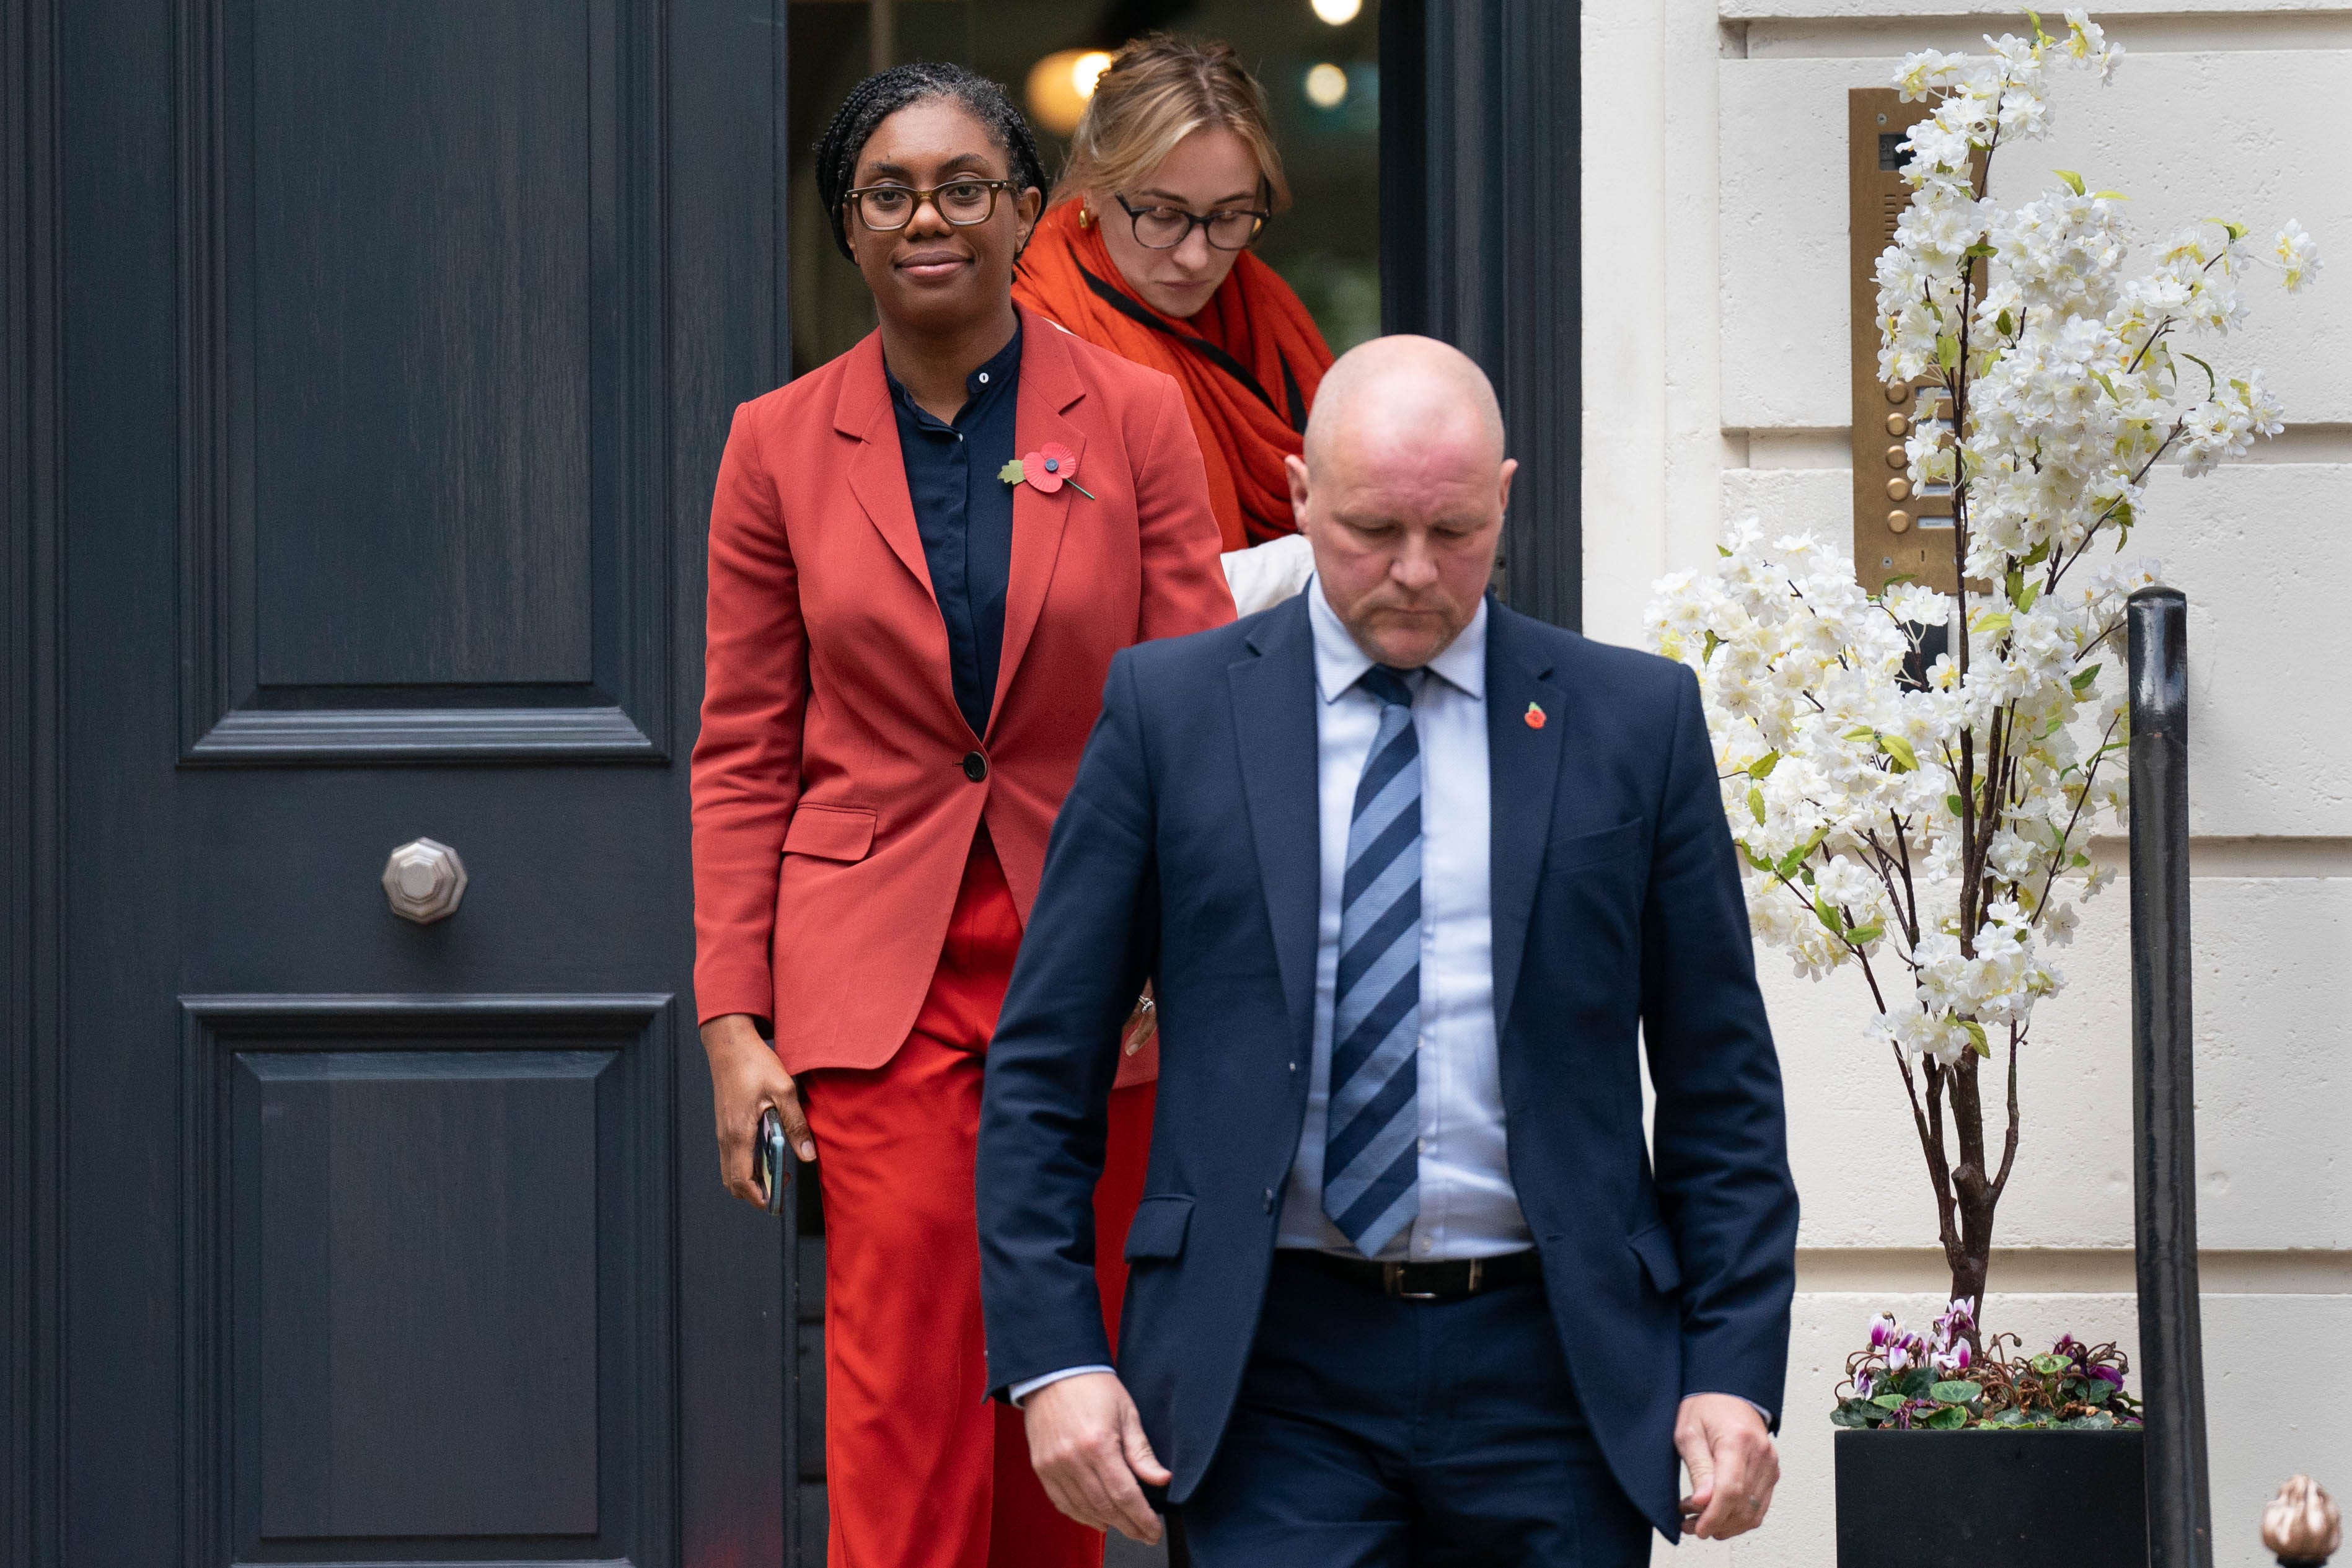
[[746, 1079]]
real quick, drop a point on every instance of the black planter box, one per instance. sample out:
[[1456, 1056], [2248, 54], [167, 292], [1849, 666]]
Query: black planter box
[[1991, 1500]]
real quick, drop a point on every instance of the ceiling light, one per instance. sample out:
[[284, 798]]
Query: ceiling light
[[1338, 12], [1327, 86], [1059, 85]]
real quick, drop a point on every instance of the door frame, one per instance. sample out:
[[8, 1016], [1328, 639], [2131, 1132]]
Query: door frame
[[32, 804], [1481, 245]]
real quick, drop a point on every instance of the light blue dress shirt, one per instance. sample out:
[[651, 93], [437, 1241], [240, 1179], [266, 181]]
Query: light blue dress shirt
[[1468, 1207]]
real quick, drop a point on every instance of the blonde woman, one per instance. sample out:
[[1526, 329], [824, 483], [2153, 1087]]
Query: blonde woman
[[1145, 251]]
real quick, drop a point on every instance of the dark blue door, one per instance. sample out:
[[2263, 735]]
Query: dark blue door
[[395, 343]]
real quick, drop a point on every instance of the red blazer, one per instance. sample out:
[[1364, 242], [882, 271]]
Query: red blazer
[[832, 812]]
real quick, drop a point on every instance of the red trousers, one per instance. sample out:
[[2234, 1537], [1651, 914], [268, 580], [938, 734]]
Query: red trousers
[[922, 1470]]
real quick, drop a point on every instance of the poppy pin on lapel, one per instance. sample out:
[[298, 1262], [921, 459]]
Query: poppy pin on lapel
[[1535, 717], [1046, 472]]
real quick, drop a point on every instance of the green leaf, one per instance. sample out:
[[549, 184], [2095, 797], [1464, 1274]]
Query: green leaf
[[1843, 1415], [1826, 913], [1953, 803], [1756, 803], [1761, 768], [2212, 384], [2082, 681], [1888, 1402], [2097, 1391], [2041, 553], [2096, 1421], [2011, 1417], [1980, 248], [2048, 1365], [1956, 1392], [1977, 1041], [2109, 196], [1724, 550], [1951, 1417], [1897, 747], [1010, 473], [1862, 936], [1990, 622], [1713, 642], [2073, 180], [1947, 351], [2079, 861], [2005, 325], [2101, 377]]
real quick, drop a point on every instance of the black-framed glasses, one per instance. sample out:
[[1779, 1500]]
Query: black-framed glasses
[[1165, 229], [963, 201]]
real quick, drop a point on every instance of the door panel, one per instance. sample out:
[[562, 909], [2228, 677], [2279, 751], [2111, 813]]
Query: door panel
[[399, 340], [420, 247]]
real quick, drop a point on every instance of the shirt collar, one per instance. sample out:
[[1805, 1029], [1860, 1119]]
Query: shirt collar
[[1001, 370], [1339, 663]]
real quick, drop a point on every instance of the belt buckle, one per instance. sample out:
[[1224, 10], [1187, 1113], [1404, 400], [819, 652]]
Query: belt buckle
[[1392, 1284]]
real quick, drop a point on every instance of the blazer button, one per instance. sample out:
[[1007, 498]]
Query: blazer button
[[975, 766], [1269, 1200]]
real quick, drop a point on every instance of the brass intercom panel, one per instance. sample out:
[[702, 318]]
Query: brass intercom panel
[[1899, 529]]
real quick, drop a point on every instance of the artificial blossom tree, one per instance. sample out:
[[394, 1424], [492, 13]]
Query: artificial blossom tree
[[1919, 818]]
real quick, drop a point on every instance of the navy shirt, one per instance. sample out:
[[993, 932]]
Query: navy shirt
[[964, 513]]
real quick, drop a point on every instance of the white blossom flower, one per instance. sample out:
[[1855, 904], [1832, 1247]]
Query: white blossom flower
[[1926, 823]]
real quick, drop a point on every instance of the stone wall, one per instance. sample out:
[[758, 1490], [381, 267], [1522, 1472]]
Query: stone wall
[[1714, 337]]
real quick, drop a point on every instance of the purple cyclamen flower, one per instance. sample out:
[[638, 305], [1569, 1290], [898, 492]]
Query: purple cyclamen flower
[[2109, 1375], [1955, 1360], [1884, 1330], [1862, 1384]]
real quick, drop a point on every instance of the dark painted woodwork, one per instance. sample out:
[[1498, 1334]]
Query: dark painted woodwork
[[366, 368], [1481, 246], [421, 284]]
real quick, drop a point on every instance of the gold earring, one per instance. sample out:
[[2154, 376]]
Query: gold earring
[[1086, 218]]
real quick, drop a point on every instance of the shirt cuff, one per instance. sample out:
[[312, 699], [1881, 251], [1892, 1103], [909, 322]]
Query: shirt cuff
[[1021, 1391]]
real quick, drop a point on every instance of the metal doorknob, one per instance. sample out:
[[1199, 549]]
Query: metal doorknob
[[424, 880]]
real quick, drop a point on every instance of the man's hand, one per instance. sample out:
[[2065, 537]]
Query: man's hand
[[1086, 1444], [746, 1078], [1733, 1466]]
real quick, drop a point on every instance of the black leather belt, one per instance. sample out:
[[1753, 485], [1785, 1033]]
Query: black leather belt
[[1448, 1281]]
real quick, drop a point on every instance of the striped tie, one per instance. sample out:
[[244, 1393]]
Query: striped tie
[[1371, 1169]]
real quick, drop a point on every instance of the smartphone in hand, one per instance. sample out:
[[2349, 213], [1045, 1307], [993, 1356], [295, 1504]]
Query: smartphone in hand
[[768, 1158]]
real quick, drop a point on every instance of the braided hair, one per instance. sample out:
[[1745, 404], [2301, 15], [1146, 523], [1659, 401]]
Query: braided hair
[[883, 94]]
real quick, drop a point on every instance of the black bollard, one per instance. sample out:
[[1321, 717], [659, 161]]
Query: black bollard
[[2163, 1103]]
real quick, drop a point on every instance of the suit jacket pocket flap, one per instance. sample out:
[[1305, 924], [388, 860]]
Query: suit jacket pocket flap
[[1159, 1228], [1592, 848], [1655, 1247], [831, 832]]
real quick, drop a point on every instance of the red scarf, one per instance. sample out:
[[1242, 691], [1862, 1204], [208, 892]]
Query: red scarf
[[1249, 363]]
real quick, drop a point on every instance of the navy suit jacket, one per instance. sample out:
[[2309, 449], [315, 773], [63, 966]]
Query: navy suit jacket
[[1188, 853]]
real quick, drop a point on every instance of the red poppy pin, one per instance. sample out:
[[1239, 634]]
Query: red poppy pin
[[1046, 469], [1535, 717]]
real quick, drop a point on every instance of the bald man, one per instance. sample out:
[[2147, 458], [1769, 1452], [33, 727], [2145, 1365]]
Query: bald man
[[1415, 879]]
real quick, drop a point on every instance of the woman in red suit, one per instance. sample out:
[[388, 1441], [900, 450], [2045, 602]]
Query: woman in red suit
[[922, 558]]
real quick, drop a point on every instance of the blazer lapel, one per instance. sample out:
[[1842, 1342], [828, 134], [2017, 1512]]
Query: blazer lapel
[[877, 469], [1523, 767], [1049, 388], [1274, 724]]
